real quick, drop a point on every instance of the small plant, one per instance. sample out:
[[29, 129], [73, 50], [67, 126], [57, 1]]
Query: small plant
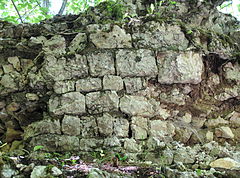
[[121, 158], [38, 147], [199, 172]]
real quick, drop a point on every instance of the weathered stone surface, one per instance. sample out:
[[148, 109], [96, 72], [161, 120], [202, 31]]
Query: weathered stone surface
[[117, 38], [139, 127], [53, 142], [133, 84], [12, 134], [161, 129], [99, 102], [225, 163], [232, 72], [111, 142], [216, 122], [209, 136], [71, 125], [55, 46], [7, 68], [90, 144], [131, 145], [8, 82], [101, 63], [185, 67], [68, 103], [235, 119], [184, 156], [75, 67], [32, 97], [160, 36], [61, 87], [136, 63], [154, 144], [136, 106], [175, 96], [228, 93], [15, 62], [224, 132], [42, 127], [105, 125], [89, 84], [121, 127], [111, 82], [39, 172], [89, 127], [78, 43]]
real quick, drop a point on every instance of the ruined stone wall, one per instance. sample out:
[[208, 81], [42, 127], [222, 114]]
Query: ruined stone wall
[[126, 87]]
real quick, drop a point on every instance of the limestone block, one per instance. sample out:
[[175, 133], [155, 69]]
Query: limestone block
[[101, 64], [185, 67], [53, 142], [232, 72], [90, 144], [117, 38], [68, 103], [78, 43], [133, 84], [139, 127], [64, 69], [105, 125], [111, 142], [235, 119], [89, 84], [136, 63], [161, 129], [224, 132], [42, 127], [136, 106], [71, 125], [89, 127], [15, 62], [228, 93], [111, 82], [225, 163], [55, 46], [99, 102], [61, 87], [8, 82], [131, 145], [160, 36], [216, 122], [121, 127]]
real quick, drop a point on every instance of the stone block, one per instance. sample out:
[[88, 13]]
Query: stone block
[[139, 127], [185, 67], [68, 103], [71, 125], [121, 127], [99, 102], [111, 82], [105, 125], [133, 84], [161, 129], [136, 63], [101, 63], [89, 84], [61, 87]]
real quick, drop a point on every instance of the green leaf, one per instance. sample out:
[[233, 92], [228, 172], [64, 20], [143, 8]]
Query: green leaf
[[38, 147]]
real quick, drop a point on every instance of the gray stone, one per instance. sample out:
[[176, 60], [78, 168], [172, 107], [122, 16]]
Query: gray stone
[[111, 82], [183, 155], [71, 125], [121, 127], [55, 46], [53, 142], [111, 142], [61, 87], [161, 129], [8, 82], [7, 68], [136, 63], [235, 119], [78, 43], [160, 36], [185, 67], [228, 93], [101, 63], [7, 172], [55, 171], [224, 132], [68, 103], [232, 72], [32, 97], [139, 127], [42, 127], [175, 96], [99, 102], [75, 67], [225, 163], [90, 144], [136, 106], [131, 145], [89, 127], [154, 144], [133, 84], [117, 38], [89, 84], [105, 124], [15, 62], [216, 122], [39, 172], [39, 40]]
